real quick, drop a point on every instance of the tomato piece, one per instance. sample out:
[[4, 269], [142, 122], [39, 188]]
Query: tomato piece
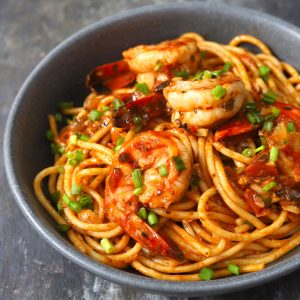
[[113, 76], [233, 128], [255, 203], [288, 113], [260, 168]]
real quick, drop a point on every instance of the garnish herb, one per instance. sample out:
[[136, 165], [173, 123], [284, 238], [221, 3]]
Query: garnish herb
[[152, 219], [247, 152], [269, 186], [137, 178], [290, 127], [234, 269], [117, 104], [142, 213], [273, 154], [143, 88], [218, 92], [163, 171], [179, 164], [106, 245], [94, 115], [206, 274], [264, 72]]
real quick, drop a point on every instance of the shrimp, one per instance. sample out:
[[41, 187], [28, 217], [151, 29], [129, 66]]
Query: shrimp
[[147, 152], [194, 104], [154, 63]]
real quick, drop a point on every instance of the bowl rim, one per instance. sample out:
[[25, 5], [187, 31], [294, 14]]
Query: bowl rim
[[214, 287]]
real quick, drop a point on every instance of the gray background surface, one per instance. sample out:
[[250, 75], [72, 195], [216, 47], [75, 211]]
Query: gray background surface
[[29, 267]]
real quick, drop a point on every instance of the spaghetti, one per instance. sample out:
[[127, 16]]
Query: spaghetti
[[183, 162]]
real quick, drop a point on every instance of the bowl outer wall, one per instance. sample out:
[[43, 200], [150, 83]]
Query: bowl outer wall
[[60, 77]]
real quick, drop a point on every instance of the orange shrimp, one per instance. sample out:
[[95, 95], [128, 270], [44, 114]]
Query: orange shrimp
[[147, 152]]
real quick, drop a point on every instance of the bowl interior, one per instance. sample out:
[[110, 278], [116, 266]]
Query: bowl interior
[[61, 76]]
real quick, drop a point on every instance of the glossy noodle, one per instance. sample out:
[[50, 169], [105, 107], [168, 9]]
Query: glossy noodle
[[183, 162]]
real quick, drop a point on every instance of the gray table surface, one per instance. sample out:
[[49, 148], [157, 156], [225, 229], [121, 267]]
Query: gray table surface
[[29, 267]]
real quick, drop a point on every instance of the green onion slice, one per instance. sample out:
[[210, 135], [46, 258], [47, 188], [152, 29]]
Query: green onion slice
[[291, 127], [143, 88], [247, 152], [269, 186], [106, 245], [179, 163], [270, 97], [137, 178], [76, 189], [234, 269], [142, 213], [152, 219], [117, 104], [264, 72], [274, 152], [94, 115], [206, 274], [163, 171], [218, 92]]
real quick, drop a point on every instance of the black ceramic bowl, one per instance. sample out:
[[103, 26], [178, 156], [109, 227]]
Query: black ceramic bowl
[[60, 77]]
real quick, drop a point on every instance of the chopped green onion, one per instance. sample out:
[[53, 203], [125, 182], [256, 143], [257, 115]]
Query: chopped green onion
[[152, 219], [63, 227], [290, 127], [218, 92], [105, 108], [137, 178], [254, 117], [227, 66], [275, 111], [207, 74], [58, 117], [251, 106], [94, 115], [195, 180], [158, 66], [75, 206], [117, 104], [142, 213], [106, 245], [138, 191], [183, 73], [269, 186], [76, 189], [75, 159], [56, 149], [65, 105], [206, 274], [61, 169], [260, 148], [268, 126], [264, 72], [268, 201], [73, 139], [217, 73], [84, 137], [269, 117], [234, 269], [247, 152], [143, 88], [85, 201], [163, 171], [49, 135], [55, 196], [79, 155], [66, 199], [274, 154], [120, 141], [198, 75], [179, 164], [59, 207], [270, 97], [137, 120]]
